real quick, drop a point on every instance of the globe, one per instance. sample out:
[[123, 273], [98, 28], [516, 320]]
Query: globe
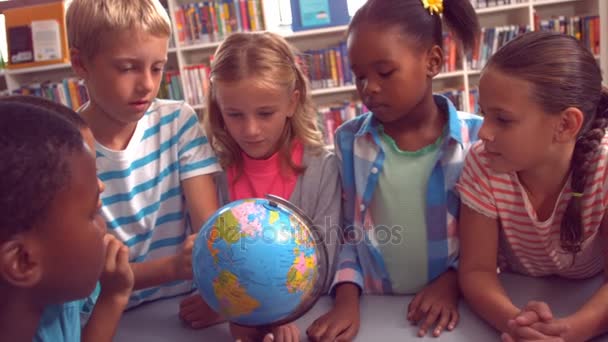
[[260, 262]]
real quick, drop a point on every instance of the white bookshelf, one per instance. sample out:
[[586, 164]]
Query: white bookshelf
[[517, 13], [512, 14]]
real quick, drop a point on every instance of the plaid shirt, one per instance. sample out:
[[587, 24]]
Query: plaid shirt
[[359, 149]]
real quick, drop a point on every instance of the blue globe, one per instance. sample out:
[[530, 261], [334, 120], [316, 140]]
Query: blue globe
[[260, 262]]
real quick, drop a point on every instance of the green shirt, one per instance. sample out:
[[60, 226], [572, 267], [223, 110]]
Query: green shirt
[[398, 210]]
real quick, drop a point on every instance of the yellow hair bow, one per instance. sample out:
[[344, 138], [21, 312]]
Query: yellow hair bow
[[434, 6]]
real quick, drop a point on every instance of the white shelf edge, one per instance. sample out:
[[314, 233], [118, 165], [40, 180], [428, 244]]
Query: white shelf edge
[[200, 46], [449, 74], [287, 34], [172, 50], [502, 8], [38, 69], [314, 32], [198, 106], [550, 2], [333, 90], [474, 72]]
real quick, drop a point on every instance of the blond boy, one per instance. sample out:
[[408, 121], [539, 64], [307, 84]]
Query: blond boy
[[152, 154]]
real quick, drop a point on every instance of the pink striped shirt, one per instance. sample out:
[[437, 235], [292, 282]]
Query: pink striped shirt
[[526, 244]]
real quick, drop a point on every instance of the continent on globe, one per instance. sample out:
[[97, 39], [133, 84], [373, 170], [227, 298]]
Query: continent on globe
[[301, 275], [234, 300], [259, 262]]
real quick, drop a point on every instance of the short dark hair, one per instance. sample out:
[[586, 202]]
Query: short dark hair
[[58, 108], [35, 145]]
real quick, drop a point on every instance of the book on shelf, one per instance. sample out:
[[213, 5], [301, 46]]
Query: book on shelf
[[474, 100], [490, 40], [451, 53], [330, 117], [456, 96], [309, 14], [171, 86], [327, 68], [196, 78], [584, 28], [36, 35], [70, 92], [208, 21]]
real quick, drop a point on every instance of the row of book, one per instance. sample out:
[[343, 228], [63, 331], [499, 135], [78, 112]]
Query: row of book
[[330, 117], [70, 92], [196, 78], [207, 21], [327, 68], [491, 39], [493, 3], [171, 86], [584, 28]]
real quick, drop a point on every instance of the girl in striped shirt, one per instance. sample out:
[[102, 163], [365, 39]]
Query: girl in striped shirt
[[534, 187]]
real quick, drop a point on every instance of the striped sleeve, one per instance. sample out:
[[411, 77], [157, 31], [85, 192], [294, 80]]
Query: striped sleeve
[[473, 186], [196, 157], [348, 269]]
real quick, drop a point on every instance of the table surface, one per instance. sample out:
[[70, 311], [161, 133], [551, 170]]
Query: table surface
[[382, 317]]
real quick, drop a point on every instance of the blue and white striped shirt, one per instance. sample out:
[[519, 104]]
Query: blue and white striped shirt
[[143, 204]]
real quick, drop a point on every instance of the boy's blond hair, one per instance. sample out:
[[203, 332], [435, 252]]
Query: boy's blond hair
[[88, 21], [272, 62]]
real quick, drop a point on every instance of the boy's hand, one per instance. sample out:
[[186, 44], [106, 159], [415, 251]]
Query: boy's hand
[[183, 260], [536, 323], [436, 303], [116, 279], [341, 323]]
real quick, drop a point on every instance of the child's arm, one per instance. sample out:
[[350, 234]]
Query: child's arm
[[477, 269], [116, 284], [436, 303], [342, 321], [202, 203], [592, 318], [197, 163], [201, 199], [166, 269], [536, 319]]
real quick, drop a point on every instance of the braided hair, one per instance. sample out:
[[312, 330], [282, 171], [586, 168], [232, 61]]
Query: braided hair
[[563, 74]]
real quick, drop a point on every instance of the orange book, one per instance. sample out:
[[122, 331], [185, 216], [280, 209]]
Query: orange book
[[23, 17]]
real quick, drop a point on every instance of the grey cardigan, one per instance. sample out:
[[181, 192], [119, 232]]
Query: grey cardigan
[[318, 193]]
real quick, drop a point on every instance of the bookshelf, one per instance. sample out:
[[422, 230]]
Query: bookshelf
[[492, 14]]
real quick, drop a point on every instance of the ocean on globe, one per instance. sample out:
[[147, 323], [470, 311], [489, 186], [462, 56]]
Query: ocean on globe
[[260, 262]]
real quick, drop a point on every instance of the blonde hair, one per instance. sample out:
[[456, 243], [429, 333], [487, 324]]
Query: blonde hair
[[88, 20], [272, 61]]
